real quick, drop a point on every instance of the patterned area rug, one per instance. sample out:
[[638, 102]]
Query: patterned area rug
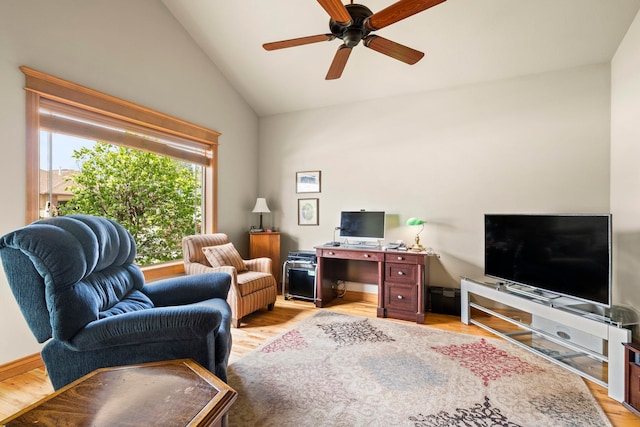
[[334, 369]]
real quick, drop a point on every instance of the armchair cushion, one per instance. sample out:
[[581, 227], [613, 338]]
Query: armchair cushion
[[134, 301], [226, 254], [253, 281]]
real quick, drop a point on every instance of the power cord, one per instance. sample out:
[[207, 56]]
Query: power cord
[[342, 291]]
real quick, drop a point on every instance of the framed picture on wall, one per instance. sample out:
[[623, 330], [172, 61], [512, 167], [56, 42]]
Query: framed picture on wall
[[308, 212], [308, 182]]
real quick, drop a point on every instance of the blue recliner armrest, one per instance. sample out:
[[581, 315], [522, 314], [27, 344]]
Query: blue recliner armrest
[[148, 326], [188, 289]]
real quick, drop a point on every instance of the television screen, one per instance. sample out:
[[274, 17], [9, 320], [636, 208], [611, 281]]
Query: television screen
[[568, 255], [362, 224]]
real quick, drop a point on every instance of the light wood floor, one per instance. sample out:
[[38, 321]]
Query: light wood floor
[[22, 390]]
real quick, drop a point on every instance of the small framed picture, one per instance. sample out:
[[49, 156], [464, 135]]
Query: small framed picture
[[308, 182], [308, 212]]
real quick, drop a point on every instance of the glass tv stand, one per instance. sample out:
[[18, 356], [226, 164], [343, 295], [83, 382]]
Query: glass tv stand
[[586, 343]]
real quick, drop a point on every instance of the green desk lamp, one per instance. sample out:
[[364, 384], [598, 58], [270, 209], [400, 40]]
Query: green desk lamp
[[417, 247]]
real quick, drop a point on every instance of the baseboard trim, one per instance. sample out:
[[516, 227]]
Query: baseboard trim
[[20, 366], [360, 296]]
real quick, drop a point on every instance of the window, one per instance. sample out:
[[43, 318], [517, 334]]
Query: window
[[62, 114]]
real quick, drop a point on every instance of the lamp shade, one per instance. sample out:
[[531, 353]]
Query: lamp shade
[[413, 221], [261, 206]]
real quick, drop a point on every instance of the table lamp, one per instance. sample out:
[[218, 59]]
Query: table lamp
[[261, 207], [417, 247]]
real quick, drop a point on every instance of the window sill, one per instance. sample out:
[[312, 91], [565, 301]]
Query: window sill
[[162, 271]]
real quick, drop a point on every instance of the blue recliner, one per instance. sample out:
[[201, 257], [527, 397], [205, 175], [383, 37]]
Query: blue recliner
[[78, 288]]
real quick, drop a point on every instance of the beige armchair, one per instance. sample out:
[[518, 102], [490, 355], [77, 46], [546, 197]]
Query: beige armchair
[[252, 285]]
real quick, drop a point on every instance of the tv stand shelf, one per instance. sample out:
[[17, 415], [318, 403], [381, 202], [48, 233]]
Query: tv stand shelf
[[586, 344]]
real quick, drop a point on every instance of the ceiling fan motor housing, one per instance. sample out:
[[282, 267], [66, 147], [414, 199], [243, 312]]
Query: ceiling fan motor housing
[[352, 34]]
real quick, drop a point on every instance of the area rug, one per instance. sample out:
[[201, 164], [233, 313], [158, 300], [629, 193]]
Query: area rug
[[334, 369]]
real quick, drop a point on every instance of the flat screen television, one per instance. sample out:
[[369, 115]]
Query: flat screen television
[[567, 255], [362, 226]]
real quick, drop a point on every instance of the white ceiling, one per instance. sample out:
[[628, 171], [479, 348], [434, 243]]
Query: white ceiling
[[464, 41]]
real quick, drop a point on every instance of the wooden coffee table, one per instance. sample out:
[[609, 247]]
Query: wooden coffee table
[[171, 393]]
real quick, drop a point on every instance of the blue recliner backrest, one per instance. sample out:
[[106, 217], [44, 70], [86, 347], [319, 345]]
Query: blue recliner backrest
[[66, 272]]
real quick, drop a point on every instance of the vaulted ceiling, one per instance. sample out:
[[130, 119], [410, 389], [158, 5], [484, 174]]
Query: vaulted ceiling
[[464, 41]]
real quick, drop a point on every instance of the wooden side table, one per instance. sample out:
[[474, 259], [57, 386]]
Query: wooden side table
[[176, 392], [632, 377], [267, 244]]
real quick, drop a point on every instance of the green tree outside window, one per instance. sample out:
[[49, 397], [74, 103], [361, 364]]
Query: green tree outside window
[[157, 198]]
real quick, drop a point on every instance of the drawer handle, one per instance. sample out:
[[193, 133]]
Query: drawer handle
[[366, 255], [400, 258], [399, 296], [400, 273], [332, 253]]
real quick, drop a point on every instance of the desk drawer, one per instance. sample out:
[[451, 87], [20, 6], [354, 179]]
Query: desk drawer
[[401, 297], [363, 255], [404, 258], [403, 273]]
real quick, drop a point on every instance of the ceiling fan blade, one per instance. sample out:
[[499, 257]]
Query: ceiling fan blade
[[398, 11], [298, 42], [339, 62], [393, 49], [336, 11]]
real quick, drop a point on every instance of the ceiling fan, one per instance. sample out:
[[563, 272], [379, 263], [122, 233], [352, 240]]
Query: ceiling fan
[[353, 23]]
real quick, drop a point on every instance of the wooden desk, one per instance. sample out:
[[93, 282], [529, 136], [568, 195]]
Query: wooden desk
[[400, 276], [172, 393]]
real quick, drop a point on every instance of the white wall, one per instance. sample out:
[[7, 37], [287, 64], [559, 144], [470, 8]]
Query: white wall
[[625, 168], [533, 144], [134, 50]]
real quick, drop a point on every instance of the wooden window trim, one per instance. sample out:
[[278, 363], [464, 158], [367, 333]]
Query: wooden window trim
[[160, 271], [39, 85]]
